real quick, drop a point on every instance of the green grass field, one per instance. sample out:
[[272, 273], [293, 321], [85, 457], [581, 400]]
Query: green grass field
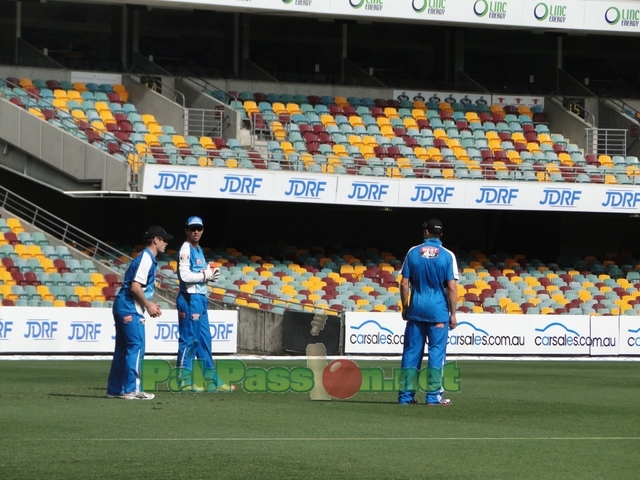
[[511, 420]]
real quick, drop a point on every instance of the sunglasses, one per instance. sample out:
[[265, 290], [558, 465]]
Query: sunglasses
[[196, 229]]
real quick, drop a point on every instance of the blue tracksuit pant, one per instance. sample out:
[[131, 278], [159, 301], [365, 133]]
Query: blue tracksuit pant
[[195, 337], [415, 335], [126, 366]]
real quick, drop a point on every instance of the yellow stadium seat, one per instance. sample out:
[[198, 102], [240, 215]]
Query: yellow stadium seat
[[61, 94], [356, 121], [369, 140], [391, 112], [367, 151], [15, 225], [99, 280], [101, 107], [207, 143], [279, 108], [356, 140], [179, 141], [152, 140], [95, 293], [293, 108], [36, 112], [418, 114], [328, 120], [74, 95]]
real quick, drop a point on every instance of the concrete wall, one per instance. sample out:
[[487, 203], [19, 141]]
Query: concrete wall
[[259, 332], [147, 101], [561, 120], [61, 150], [301, 88]]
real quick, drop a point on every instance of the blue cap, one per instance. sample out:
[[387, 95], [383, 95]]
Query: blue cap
[[194, 221]]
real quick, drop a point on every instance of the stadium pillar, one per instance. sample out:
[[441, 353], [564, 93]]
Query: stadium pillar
[[559, 61], [458, 61], [236, 44], [344, 50], [124, 35], [18, 29]]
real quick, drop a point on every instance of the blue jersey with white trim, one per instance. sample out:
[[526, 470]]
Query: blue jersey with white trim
[[429, 267], [142, 270]]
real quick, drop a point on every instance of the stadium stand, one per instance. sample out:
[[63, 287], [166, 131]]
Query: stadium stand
[[317, 134], [366, 280]]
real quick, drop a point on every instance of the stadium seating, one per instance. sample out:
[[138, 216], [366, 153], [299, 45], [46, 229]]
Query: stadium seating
[[362, 279], [102, 116], [436, 140], [35, 273], [333, 135]]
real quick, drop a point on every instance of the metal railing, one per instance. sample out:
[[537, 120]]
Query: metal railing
[[201, 122], [30, 56], [61, 229], [106, 254], [606, 141], [540, 170], [465, 83], [165, 90], [351, 70], [576, 108], [623, 107], [207, 87], [260, 129]]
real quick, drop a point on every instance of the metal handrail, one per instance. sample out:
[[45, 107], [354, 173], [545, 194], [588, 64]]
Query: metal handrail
[[201, 122], [472, 80], [623, 106], [293, 162], [133, 73], [608, 141], [60, 229], [206, 85], [97, 249], [580, 109]]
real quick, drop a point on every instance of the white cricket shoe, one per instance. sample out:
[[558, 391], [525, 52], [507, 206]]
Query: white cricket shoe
[[138, 396]]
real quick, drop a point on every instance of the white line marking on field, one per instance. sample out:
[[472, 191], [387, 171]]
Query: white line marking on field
[[352, 439]]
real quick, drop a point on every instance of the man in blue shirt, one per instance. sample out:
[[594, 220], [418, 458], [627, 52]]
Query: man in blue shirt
[[193, 319], [132, 300], [429, 272]]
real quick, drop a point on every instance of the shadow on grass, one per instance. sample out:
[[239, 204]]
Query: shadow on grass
[[78, 395], [379, 402]]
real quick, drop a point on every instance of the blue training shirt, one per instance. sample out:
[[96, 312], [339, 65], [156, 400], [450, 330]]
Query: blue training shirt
[[142, 270], [429, 267], [191, 263]]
